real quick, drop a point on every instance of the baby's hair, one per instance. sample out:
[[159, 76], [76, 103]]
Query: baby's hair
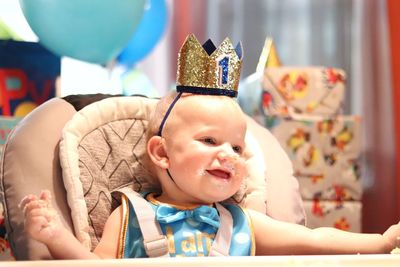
[[152, 129], [158, 114]]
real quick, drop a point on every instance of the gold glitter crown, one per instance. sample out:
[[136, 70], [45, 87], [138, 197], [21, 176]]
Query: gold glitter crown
[[205, 69]]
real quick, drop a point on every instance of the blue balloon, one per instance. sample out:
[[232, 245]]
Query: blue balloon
[[93, 31], [148, 33]]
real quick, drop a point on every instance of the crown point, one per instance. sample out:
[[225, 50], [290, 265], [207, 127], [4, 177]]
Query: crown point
[[227, 39], [191, 35], [239, 50]]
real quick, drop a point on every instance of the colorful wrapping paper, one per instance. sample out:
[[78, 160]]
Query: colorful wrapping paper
[[288, 91], [340, 182], [28, 74], [344, 215], [324, 154], [302, 106]]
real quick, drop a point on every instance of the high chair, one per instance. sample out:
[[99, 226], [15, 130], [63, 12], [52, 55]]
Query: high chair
[[83, 148]]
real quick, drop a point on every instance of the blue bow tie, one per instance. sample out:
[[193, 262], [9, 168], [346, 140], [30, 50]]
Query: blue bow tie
[[206, 214]]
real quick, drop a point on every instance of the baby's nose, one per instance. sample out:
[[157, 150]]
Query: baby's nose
[[228, 160], [227, 155]]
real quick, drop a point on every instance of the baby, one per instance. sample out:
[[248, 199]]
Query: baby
[[195, 147]]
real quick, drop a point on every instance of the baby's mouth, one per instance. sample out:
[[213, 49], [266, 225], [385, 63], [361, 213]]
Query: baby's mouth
[[220, 173]]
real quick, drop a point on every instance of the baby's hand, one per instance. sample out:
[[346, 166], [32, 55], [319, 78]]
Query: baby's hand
[[42, 221], [392, 234]]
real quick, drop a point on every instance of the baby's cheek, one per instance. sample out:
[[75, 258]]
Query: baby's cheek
[[240, 168]]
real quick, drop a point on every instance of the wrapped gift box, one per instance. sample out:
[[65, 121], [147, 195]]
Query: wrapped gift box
[[324, 154], [314, 142], [340, 181], [303, 90], [344, 215]]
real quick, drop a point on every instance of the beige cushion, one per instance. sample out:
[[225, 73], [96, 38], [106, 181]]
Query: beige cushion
[[283, 199], [102, 148], [31, 164]]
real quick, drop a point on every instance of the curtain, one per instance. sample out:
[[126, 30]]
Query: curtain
[[372, 98], [372, 91], [394, 28]]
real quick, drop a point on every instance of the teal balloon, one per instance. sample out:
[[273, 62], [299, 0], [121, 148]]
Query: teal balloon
[[147, 35], [95, 31]]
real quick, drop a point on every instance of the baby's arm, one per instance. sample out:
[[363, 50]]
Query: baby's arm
[[280, 238], [108, 245], [43, 224]]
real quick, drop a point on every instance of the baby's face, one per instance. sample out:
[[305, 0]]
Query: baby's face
[[205, 145]]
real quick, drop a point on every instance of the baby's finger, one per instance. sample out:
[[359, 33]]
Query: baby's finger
[[26, 200], [50, 214], [41, 212], [45, 195], [37, 204]]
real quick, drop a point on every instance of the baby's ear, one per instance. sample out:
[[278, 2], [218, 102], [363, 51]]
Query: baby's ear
[[156, 151]]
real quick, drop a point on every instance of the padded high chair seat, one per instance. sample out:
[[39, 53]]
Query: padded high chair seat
[[31, 163]]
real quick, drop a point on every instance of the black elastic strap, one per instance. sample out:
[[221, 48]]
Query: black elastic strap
[[167, 114], [206, 91]]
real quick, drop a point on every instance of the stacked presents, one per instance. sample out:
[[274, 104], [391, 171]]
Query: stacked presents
[[303, 109]]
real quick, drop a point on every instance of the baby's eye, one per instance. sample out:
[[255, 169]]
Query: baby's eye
[[209, 140], [238, 149]]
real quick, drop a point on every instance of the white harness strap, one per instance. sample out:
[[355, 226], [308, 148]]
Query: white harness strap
[[156, 244], [222, 240]]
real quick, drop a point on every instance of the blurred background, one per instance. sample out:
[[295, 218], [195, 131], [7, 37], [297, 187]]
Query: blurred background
[[357, 36]]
